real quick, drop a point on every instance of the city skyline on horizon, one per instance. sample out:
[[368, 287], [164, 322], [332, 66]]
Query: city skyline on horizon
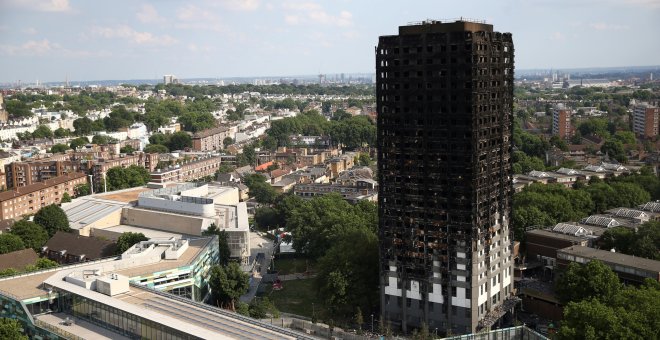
[[54, 40]]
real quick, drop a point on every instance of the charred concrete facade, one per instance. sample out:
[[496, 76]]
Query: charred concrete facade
[[445, 102]]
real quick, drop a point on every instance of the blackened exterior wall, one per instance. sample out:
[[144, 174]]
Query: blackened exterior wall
[[445, 96]]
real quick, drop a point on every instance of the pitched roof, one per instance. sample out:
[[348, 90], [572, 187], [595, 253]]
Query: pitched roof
[[18, 259], [210, 132], [91, 247]]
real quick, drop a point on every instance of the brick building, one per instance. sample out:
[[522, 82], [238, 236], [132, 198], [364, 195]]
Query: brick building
[[20, 174], [188, 171], [29, 199], [561, 123], [210, 139], [645, 120]]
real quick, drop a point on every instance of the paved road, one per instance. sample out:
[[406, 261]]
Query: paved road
[[260, 268]]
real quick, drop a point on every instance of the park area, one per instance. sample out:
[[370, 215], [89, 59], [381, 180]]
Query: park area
[[297, 296]]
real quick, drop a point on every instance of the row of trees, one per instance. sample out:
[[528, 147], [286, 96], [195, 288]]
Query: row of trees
[[286, 89], [540, 205], [161, 143], [352, 131], [598, 306], [643, 242]]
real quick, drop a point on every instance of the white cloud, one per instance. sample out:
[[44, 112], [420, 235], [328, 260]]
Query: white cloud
[[149, 14], [313, 13], [653, 4], [128, 33], [240, 5], [195, 18], [43, 5], [30, 48], [600, 26], [44, 47], [557, 36], [292, 19], [30, 31], [194, 13]]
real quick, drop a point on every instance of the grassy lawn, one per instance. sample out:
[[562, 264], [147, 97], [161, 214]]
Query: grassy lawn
[[291, 265], [297, 297]]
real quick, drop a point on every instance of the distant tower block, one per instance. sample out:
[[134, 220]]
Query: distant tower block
[[4, 115], [170, 79]]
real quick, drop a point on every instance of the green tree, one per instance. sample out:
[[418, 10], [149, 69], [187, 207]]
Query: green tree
[[645, 242], [224, 252], [227, 141], [228, 283], [179, 141], [197, 121], [44, 263], [591, 280], [80, 141], [11, 329], [53, 219], [359, 320], [127, 240], [10, 242], [102, 139], [615, 150], [629, 194], [156, 148], [348, 275], [225, 169], [127, 149], [66, 198], [263, 193], [364, 159], [33, 235], [57, 148], [43, 131], [632, 314], [118, 178], [260, 308], [17, 109], [266, 218], [83, 126], [61, 133], [591, 319], [82, 190]]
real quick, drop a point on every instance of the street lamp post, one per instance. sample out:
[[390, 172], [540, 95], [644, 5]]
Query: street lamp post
[[372, 323]]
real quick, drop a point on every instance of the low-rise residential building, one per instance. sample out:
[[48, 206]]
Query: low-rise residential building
[[188, 170], [364, 189], [29, 199], [630, 269], [341, 163], [18, 260], [210, 139], [66, 247]]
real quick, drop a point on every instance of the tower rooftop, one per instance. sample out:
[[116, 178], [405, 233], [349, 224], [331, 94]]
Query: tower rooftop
[[445, 26]]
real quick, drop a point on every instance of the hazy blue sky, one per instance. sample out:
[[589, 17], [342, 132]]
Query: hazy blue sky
[[133, 39]]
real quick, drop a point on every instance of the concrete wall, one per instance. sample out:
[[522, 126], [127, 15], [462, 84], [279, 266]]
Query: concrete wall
[[107, 221], [177, 206], [228, 197], [190, 225]]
